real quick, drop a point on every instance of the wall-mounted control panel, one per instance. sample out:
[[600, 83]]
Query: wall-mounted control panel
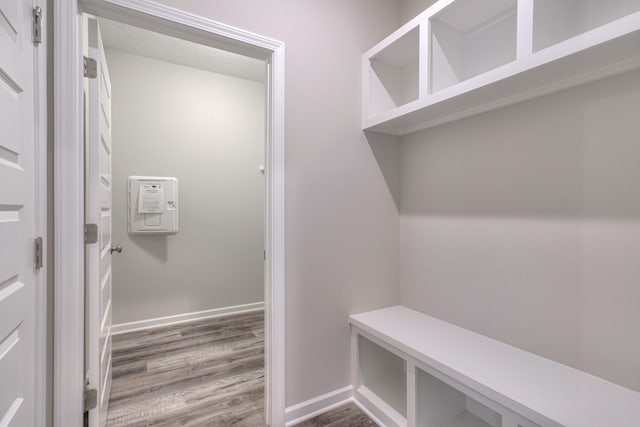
[[152, 205]]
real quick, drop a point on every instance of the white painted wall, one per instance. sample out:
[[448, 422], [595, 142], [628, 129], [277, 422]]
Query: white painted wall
[[524, 224], [342, 223], [207, 130], [411, 8]]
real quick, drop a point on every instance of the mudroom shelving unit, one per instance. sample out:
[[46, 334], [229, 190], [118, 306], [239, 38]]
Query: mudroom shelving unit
[[463, 57], [413, 370]]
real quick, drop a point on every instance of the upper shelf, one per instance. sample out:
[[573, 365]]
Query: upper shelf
[[463, 57]]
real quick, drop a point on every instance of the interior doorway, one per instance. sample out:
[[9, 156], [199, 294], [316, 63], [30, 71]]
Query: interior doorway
[[70, 189], [175, 146]]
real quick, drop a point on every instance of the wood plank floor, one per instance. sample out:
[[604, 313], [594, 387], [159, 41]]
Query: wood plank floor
[[202, 373], [345, 416]]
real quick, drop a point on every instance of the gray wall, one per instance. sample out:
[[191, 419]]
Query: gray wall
[[410, 8], [342, 223], [524, 224], [207, 130]]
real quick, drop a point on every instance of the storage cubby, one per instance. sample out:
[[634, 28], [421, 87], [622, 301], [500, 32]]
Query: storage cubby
[[555, 21], [440, 405], [469, 38], [460, 58], [394, 74], [384, 374], [448, 376]]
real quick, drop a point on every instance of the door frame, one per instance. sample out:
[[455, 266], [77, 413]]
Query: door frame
[[68, 381], [42, 288]]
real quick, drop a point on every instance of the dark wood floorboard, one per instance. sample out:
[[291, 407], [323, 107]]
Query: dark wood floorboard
[[345, 416], [202, 373]]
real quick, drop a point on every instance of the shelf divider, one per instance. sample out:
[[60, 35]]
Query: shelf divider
[[411, 394], [525, 28], [424, 72]]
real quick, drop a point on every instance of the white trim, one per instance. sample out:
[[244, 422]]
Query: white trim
[[68, 339], [69, 200], [318, 405], [369, 413], [176, 319], [172, 21], [275, 245], [378, 407], [42, 372]]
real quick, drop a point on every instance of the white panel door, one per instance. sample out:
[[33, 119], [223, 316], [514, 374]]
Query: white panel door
[[98, 211], [17, 215]]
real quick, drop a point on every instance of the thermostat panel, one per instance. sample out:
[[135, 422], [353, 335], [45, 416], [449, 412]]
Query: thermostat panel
[[152, 205]]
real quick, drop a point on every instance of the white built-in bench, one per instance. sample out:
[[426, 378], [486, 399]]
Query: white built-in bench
[[410, 369]]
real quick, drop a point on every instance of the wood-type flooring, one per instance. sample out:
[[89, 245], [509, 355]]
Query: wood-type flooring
[[345, 416], [202, 373]]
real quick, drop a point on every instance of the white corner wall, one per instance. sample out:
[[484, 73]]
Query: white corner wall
[[523, 224], [207, 130]]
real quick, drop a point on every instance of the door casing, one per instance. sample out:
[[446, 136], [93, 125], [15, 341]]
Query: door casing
[[43, 330], [68, 254]]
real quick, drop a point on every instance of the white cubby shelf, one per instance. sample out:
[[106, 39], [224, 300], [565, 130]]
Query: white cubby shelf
[[463, 57], [409, 369]]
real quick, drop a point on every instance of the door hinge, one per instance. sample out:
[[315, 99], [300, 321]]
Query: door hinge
[[90, 399], [37, 25], [90, 233], [38, 261], [90, 67]]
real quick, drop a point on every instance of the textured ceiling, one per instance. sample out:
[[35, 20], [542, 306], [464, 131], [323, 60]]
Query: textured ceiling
[[158, 46]]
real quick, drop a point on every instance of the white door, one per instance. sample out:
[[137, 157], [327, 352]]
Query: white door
[[18, 275], [98, 211]]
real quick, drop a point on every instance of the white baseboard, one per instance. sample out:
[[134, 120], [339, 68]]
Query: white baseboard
[[185, 317], [308, 409], [370, 414]]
